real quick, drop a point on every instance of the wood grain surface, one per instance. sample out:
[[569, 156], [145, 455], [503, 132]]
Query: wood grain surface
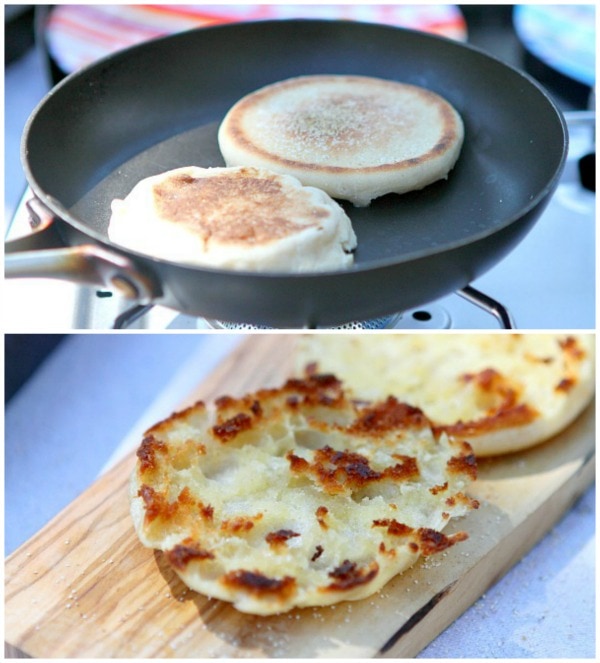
[[85, 587]]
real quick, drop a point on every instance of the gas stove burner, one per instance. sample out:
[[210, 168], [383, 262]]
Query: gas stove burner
[[376, 323], [431, 316]]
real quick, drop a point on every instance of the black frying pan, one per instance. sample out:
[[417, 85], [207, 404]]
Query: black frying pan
[[157, 106]]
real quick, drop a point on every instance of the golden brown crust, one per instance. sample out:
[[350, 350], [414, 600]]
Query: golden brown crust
[[497, 420], [344, 471], [230, 428], [258, 584], [389, 415], [425, 540], [431, 541], [263, 499], [278, 539], [240, 524], [184, 553], [349, 575], [148, 451], [259, 210], [501, 393]]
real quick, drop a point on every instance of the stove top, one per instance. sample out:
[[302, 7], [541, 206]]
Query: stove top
[[547, 282]]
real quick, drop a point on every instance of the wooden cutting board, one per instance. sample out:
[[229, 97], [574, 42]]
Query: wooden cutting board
[[85, 587]]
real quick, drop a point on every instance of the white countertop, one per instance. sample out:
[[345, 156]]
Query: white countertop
[[58, 442]]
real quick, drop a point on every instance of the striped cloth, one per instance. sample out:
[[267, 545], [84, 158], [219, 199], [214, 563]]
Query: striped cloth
[[80, 34]]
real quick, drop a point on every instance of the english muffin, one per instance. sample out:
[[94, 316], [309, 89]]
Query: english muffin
[[297, 496], [234, 218], [500, 392], [355, 137]]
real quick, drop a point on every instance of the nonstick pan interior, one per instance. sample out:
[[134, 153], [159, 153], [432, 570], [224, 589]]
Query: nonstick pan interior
[[158, 106]]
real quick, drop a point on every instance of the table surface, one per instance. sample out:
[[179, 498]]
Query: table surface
[[58, 442]]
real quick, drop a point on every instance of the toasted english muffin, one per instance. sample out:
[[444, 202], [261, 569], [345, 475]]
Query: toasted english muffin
[[500, 392], [297, 496], [234, 218], [355, 137]]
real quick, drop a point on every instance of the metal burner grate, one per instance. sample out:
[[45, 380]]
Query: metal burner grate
[[377, 323], [432, 317]]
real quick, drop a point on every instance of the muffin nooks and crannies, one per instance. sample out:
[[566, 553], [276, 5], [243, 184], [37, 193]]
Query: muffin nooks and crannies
[[297, 496], [501, 392]]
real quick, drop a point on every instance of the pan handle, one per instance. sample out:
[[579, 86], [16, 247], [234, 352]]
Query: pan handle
[[43, 255]]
